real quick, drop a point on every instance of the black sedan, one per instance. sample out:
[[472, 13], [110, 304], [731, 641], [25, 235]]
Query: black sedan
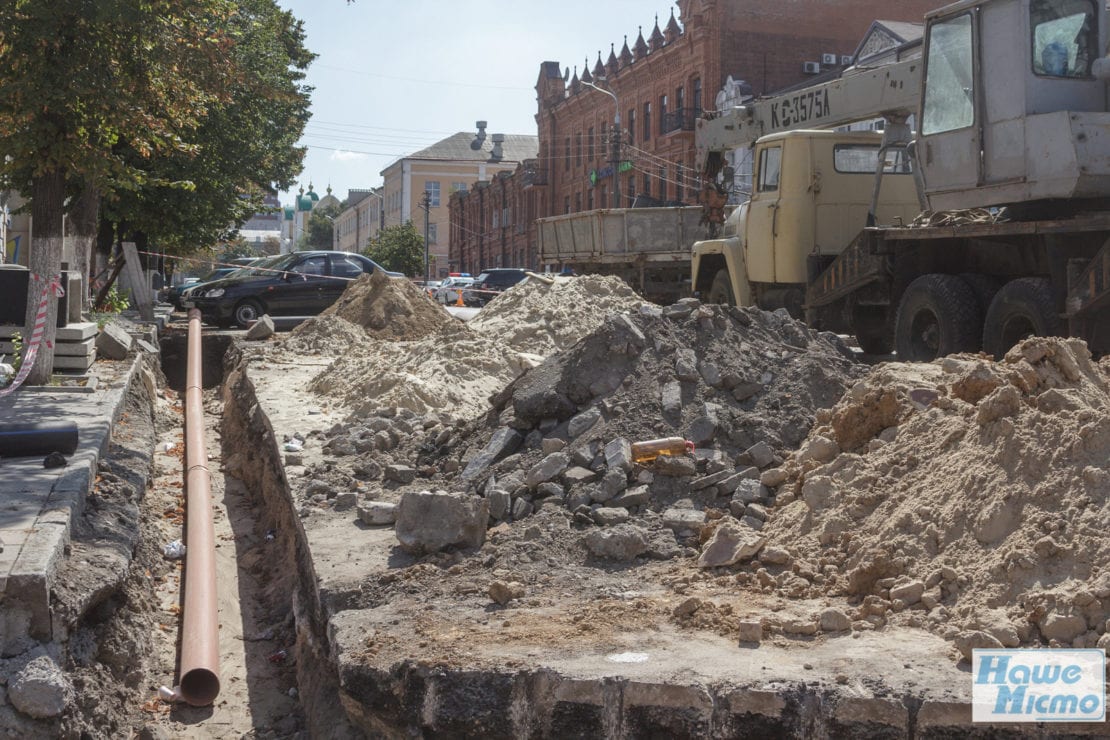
[[295, 284]]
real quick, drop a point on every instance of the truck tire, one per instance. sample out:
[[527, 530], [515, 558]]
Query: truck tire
[[1022, 308], [938, 315], [721, 290]]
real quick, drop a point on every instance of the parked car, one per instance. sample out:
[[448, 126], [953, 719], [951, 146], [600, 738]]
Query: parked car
[[174, 293], [492, 281], [449, 288], [295, 284]]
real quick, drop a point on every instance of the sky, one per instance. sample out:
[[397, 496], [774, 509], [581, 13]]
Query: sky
[[394, 77]]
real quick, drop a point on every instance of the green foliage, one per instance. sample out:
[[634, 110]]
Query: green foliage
[[17, 351], [319, 231], [398, 248], [115, 301]]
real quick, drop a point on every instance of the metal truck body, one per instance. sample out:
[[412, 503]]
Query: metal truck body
[[648, 247]]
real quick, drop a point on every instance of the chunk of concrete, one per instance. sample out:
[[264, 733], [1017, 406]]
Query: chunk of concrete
[[549, 468], [261, 329], [504, 441], [731, 543], [377, 512], [581, 423], [622, 542], [40, 689], [113, 342], [430, 521]]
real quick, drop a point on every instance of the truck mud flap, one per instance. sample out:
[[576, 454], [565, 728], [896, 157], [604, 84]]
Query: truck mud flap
[[857, 266]]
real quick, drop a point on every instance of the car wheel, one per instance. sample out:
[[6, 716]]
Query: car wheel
[[938, 315], [1022, 308], [247, 312]]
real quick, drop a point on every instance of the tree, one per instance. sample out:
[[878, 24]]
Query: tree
[[319, 232], [398, 248], [243, 148], [83, 80]]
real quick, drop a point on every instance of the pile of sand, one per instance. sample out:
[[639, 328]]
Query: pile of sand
[[967, 495], [389, 308], [540, 318], [456, 367]]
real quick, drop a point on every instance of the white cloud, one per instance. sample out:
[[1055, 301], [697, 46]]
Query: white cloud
[[345, 156]]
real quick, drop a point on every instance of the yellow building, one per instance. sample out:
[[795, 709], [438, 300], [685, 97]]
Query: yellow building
[[444, 167]]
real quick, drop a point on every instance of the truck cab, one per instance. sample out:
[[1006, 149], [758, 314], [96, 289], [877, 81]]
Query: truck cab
[[811, 195]]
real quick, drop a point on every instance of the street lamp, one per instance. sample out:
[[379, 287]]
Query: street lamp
[[615, 157]]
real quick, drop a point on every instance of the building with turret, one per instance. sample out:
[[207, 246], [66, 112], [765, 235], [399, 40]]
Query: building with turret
[[618, 130]]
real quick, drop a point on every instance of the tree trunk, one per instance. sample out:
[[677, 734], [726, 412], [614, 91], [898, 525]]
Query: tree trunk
[[83, 220], [47, 198]]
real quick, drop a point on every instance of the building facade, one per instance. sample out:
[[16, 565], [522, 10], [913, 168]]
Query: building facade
[[653, 89], [457, 163]]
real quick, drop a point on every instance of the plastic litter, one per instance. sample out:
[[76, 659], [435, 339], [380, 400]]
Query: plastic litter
[[174, 550], [279, 656], [167, 446], [293, 692], [271, 534], [293, 445]]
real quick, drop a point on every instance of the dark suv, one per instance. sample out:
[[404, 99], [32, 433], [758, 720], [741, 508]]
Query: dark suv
[[491, 282], [295, 284]]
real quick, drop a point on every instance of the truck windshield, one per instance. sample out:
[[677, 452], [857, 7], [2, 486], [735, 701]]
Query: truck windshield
[[1063, 37], [863, 159]]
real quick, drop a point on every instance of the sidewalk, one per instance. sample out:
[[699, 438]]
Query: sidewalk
[[37, 505]]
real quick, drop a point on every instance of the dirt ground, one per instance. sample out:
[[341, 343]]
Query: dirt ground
[[126, 648]]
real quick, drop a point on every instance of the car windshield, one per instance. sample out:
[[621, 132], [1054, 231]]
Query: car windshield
[[266, 265], [482, 278]]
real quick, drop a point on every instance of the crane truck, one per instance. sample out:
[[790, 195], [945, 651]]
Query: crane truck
[[989, 223]]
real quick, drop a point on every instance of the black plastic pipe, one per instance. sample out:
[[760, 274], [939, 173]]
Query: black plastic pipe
[[38, 438]]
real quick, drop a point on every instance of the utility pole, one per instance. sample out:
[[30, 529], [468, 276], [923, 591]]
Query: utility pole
[[616, 160], [426, 204]]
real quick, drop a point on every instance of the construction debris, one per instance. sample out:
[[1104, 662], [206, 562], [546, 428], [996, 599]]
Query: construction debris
[[969, 497]]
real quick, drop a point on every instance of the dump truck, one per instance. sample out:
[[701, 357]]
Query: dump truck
[[1001, 125], [647, 247]]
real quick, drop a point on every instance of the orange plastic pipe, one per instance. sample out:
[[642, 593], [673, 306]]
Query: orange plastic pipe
[[200, 628]]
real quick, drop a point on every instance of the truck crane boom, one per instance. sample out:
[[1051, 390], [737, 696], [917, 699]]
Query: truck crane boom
[[890, 91]]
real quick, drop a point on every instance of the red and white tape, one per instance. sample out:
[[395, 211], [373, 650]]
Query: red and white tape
[[54, 287]]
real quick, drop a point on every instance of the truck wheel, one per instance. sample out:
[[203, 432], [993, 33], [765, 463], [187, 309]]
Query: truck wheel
[[246, 312], [721, 290], [938, 315], [1022, 308]]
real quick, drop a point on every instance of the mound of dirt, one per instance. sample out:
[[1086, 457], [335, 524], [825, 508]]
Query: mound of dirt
[[968, 496], [323, 335], [541, 318], [389, 308], [458, 366]]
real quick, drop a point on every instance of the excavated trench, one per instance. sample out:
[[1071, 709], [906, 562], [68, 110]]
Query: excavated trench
[[700, 688]]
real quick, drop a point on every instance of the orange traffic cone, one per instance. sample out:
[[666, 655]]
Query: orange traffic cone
[[459, 303]]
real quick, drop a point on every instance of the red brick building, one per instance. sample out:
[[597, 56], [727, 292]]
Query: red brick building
[[661, 82]]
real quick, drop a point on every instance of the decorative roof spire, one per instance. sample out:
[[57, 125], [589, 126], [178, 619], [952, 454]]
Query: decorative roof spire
[[586, 71], [672, 31], [599, 68], [656, 39], [611, 65], [626, 55], [575, 85], [641, 47]]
